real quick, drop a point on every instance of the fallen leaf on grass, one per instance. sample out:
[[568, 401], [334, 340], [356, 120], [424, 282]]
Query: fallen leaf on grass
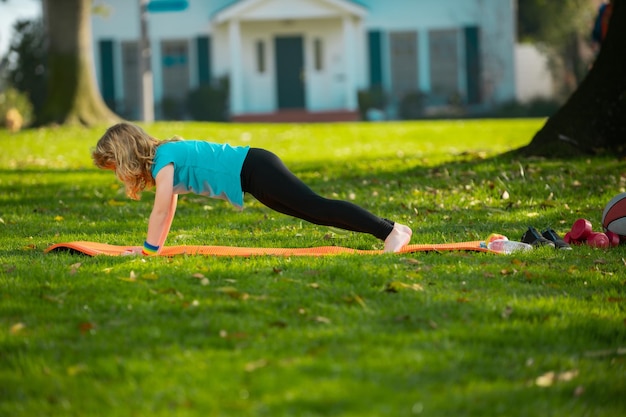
[[204, 281], [321, 319], [236, 335], [150, 276], [17, 328], [606, 352], [131, 278], [193, 303], [253, 366], [86, 327], [172, 291], [8, 268], [355, 299], [58, 299], [76, 369], [233, 292], [550, 378], [397, 286], [74, 268]]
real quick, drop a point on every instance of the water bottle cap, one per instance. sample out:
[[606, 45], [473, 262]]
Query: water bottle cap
[[496, 236]]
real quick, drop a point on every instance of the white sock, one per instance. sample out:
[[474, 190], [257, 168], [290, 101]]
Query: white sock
[[399, 237]]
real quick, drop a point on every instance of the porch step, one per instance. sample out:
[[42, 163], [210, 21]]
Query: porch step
[[299, 116]]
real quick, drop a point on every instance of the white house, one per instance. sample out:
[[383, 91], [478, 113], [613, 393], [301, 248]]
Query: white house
[[308, 59]]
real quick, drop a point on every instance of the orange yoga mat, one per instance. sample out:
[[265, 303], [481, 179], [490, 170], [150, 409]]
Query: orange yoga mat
[[94, 249]]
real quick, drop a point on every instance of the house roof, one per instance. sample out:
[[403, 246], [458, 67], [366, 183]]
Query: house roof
[[287, 9]]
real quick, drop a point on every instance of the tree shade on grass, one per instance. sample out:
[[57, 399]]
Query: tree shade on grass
[[431, 334]]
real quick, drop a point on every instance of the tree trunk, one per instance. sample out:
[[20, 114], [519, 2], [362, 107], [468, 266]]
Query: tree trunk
[[73, 96], [593, 120]]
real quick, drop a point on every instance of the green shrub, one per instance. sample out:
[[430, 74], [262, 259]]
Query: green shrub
[[372, 98], [172, 108], [538, 107], [11, 98], [542, 107], [209, 102], [25, 62], [412, 106]]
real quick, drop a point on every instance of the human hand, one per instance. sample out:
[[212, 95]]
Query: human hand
[[134, 251]]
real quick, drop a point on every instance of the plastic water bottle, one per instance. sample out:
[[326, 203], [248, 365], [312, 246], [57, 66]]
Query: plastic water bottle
[[501, 244]]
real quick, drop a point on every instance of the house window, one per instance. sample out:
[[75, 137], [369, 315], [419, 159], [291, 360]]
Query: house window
[[444, 66], [404, 75], [260, 57], [175, 67], [318, 51], [131, 80]]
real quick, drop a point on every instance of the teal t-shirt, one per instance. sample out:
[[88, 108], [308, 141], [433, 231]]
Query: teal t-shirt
[[205, 168]]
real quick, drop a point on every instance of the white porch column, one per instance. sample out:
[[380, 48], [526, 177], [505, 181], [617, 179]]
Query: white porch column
[[236, 72], [361, 54], [349, 49]]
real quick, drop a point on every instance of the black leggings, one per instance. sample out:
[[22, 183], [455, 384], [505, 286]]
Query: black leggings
[[266, 177]]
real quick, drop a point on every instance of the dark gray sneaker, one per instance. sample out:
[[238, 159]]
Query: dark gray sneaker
[[559, 243], [534, 238]]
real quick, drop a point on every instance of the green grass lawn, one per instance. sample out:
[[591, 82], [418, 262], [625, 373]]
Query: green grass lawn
[[430, 334]]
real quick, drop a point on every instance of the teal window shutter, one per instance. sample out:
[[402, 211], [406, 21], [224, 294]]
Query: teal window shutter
[[107, 73], [473, 64], [375, 58], [203, 45]]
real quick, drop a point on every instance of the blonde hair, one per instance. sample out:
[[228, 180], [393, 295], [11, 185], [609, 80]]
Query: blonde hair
[[129, 151]]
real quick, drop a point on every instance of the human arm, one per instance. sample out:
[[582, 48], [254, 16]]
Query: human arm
[[168, 220], [164, 207]]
